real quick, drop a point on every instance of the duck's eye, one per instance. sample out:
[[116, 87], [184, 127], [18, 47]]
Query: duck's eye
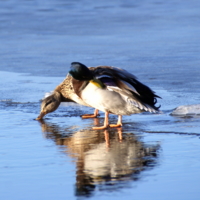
[[48, 102]]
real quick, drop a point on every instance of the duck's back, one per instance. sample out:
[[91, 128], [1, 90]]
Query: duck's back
[[121, 81]]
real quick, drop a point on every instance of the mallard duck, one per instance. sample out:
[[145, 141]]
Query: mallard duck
[[112, 90], [109, 89], [64, 92]]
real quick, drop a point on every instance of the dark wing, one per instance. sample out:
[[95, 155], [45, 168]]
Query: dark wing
[[126, 84]]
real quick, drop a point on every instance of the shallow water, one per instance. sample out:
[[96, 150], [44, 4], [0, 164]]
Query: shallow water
[[62, 157], [154, 156]]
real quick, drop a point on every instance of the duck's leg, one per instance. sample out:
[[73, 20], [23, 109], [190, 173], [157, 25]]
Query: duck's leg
[[86, 116], [119, 130], [119, 123], [107, 138], [106, 122]]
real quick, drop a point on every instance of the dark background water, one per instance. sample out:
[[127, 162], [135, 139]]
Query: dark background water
[[150, 38], [61, 157]]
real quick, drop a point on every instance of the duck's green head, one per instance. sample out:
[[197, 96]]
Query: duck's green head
[[80, 72]]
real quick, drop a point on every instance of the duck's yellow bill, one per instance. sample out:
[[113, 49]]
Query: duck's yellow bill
[[42, 114]]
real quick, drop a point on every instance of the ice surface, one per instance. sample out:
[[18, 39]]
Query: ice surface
[[187, 110]]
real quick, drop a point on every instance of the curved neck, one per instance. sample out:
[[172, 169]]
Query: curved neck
[[57, 96]]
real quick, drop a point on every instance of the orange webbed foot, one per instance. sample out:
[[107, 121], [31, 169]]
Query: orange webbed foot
[[95, 115], [100, 127], [118, 125], [87, 116]]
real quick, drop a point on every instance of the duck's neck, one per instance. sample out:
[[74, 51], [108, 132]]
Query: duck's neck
[[57, 96], [58, 92]]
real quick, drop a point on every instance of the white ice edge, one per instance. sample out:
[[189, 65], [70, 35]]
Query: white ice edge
[[187, 110]]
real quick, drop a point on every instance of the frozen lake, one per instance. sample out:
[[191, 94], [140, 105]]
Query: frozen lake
[[154, 156]]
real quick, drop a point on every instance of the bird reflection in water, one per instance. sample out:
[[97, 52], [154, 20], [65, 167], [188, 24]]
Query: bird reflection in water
[[107, 159]]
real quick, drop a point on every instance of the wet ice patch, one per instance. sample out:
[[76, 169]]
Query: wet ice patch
[[5, 100], [187, 110]]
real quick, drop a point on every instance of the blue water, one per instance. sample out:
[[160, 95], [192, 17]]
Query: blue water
[[154, 156], [62, 157]]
